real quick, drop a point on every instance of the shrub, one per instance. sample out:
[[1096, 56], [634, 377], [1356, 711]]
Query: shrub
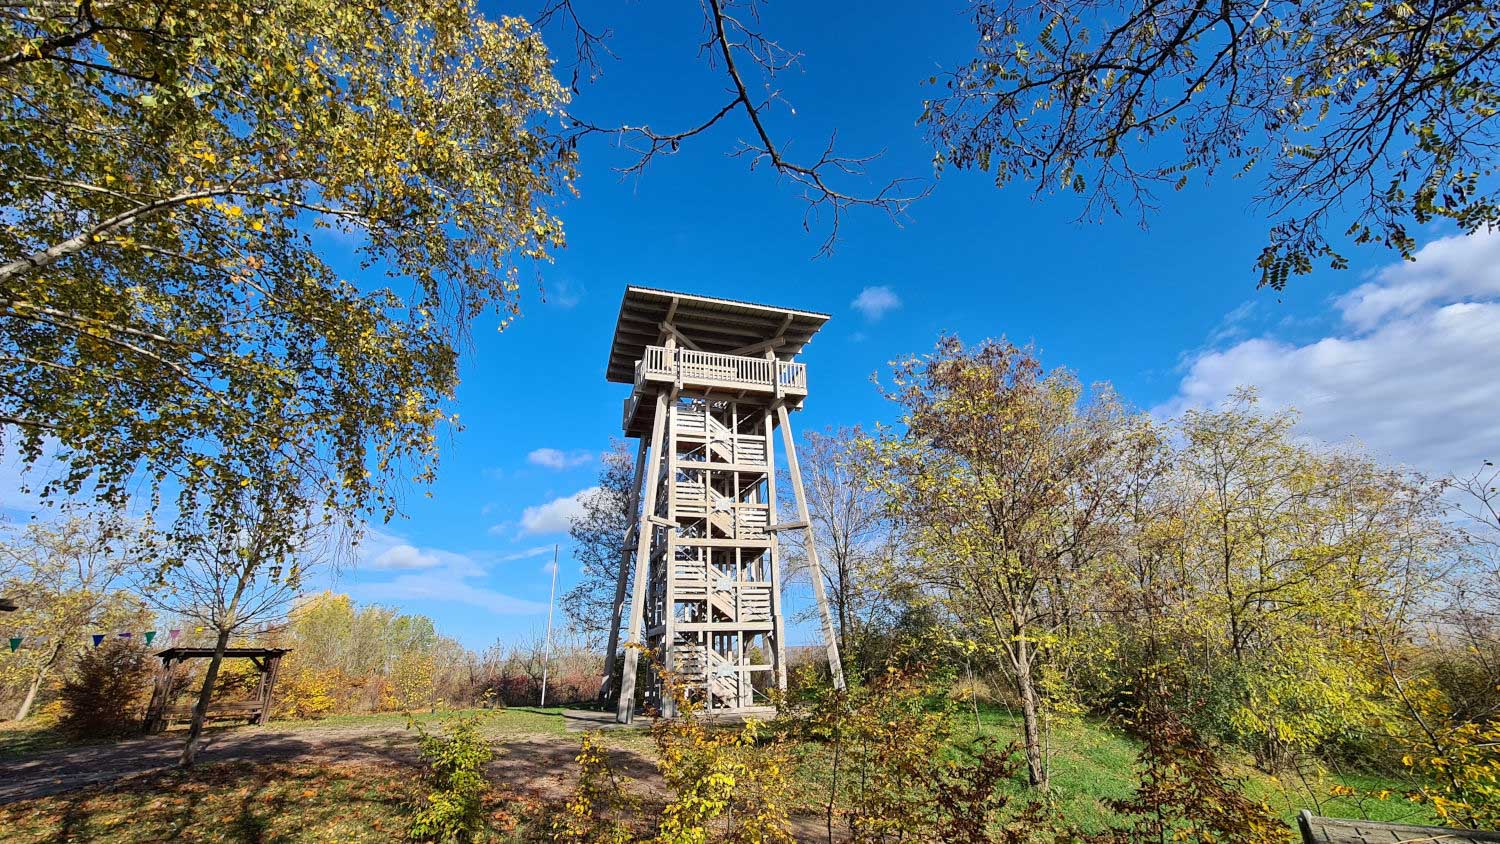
[[454, 809], [305, 694], [107, 693], [1186, 794], [592, 815]]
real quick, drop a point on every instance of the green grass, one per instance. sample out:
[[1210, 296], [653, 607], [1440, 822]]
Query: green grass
[[514, 720], [37, 734], [1093, 763]]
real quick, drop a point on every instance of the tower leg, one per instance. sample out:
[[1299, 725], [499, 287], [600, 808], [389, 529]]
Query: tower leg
[[830, 640], [626, 709], [617, 609], [778, 622]]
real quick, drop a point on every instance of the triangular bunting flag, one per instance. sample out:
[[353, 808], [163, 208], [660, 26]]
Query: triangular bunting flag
[[98, 637], [150, 634], [125, 635], [174, 633], [15, 642], [198, 629]]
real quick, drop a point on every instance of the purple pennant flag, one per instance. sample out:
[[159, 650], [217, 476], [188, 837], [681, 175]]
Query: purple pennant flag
[[15, 642], [98, 637], [124, 635], [150, 634]]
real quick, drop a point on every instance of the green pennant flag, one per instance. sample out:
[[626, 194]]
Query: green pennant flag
[[150, 634], [15, 642]]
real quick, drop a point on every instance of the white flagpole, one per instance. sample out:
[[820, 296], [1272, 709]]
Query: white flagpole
[[547, 646]]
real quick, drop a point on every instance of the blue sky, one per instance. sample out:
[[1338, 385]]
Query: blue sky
[[1400, 357]]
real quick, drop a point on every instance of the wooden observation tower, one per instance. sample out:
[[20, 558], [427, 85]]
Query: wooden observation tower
[[712, 381]]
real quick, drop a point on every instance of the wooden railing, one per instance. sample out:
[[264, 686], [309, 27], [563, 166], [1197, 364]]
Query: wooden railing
[[713, 368]]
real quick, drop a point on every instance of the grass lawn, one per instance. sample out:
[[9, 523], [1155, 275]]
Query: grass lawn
[[1092, 763], [34, 735], [237, 801], [39, 733], [511, 721]]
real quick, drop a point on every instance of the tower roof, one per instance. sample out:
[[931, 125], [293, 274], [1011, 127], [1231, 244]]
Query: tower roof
[[713, 325]]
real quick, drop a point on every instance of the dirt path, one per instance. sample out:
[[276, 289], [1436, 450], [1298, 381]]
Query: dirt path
[[539, 766], [55, 771]]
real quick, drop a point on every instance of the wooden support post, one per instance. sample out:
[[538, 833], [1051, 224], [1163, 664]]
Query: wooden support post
[[273, 667], [669, 562], [830, 640], [778, 625], [617, 609], [626, 708], [156, 713]]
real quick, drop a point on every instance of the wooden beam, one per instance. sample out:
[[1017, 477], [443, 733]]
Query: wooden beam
[[670, 329], [763, 346], [622, 577], [786, 526], [625, 710], [773, 556], [830, 641]]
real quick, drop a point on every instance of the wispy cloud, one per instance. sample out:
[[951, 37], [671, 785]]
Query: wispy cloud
[[432, 574], [564, 294], [876, 302], [404, 556], [555, 516], [440, 587], [553, 458], [527, 554]]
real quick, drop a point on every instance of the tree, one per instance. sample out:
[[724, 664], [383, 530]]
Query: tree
[[1300, 564], [231, 581], [169, 304], [598, 534], [66, 588], [1370, 116], [850, 523], [1000, 481]]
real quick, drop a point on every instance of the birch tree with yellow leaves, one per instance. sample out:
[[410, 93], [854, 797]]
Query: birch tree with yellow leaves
[[180, 176]]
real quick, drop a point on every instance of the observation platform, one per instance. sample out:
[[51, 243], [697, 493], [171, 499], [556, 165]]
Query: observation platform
[[666, 340]]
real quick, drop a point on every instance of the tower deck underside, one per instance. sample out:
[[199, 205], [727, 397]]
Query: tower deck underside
[[712, 613]]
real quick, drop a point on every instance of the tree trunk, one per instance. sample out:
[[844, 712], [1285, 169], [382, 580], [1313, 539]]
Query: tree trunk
[[1036, 762], [36, 684], [200, 711]]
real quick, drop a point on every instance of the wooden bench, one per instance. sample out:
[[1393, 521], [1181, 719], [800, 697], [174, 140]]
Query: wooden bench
[[235, 710]]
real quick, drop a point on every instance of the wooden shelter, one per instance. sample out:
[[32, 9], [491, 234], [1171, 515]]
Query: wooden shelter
[[711, 380], [163, 713]]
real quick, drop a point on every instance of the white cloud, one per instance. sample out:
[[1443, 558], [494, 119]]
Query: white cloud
[[527, 554], [404, 557], [565, 294], [1409, 372], [557, 515], [874, 302], [1449, 270], [431, 574], [554, 459], [441, 587]]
